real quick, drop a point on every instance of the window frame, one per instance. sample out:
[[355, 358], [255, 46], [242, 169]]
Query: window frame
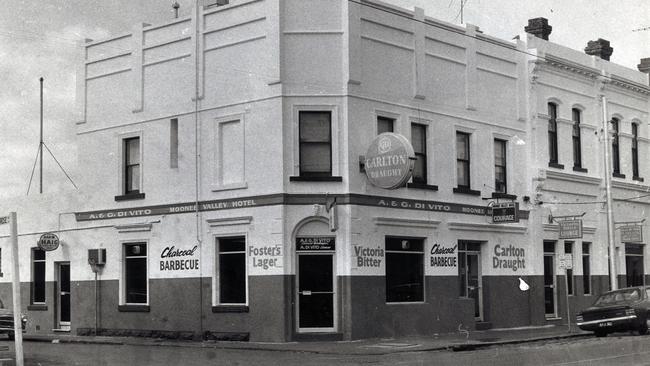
[[121, 167], [334, 143], [576, 137], [216, 293], [467, 169], [553, 149], [34, 261], [616, 154], [422, 154], [422, 273], [385, 119], [569, 247], [218, 155], [123, 275], [635, 150], [504, 144]]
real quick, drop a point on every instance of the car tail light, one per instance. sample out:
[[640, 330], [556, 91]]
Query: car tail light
[[629, 312], [579, 319]]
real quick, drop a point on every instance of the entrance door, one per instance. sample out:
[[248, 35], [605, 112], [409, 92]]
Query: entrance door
[[470, 275], [550, 298], [63, 296], [634, 265], [316, 290]]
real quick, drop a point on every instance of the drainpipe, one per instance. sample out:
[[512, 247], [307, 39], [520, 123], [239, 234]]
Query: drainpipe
[[608, 197]]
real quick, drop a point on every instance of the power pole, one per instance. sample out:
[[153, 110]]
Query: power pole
[[608, 198]]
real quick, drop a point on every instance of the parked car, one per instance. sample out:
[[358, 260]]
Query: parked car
[[7, 321], [627, 309]]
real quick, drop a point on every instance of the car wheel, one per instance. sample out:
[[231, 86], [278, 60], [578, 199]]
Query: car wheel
[[11, 336], [643, 328], [600, 333]]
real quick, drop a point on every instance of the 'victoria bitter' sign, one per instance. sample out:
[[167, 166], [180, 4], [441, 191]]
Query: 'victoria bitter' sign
[[389, 161]]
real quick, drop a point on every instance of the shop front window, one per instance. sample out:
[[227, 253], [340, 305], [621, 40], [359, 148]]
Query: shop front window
[[38, 276], [232, 270], [404, 270], [135, 273]]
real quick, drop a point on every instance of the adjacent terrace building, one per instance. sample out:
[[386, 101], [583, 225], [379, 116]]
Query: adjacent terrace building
[[228, 191]]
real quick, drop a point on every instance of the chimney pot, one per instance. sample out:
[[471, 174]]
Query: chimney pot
[[539, 28], [644, 66], [599, 48]]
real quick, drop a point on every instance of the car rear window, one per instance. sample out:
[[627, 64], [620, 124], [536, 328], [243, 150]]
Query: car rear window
[[618, 297]]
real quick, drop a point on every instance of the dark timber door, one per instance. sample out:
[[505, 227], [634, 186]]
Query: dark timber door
[[316, 291], [64, 296]]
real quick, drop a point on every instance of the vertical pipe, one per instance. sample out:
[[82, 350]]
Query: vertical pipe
[[15, 281], [608, 197], [40, 144]]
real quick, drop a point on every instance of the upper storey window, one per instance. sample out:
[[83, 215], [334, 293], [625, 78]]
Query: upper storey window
[[131, 169], [635, 152], [315, 143], [616, 157], [577, 147], [552, 134]]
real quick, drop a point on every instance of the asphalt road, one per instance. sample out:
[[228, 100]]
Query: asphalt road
[[620, 350]]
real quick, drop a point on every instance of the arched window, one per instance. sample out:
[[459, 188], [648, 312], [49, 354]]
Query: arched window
[[552, 133], [577, 147]]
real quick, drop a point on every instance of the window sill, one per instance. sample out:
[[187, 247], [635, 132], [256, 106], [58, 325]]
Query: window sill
[[129, 197], [230, 309], [420, 302], [637, 179], [618, 175], [133, 308], [228, 187], [430, 187], [579, 169], [555, 165], [498, 195], [37, 307], [468, 191], [315, 179]]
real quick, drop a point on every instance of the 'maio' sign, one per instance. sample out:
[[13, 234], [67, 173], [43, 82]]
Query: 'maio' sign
[[389, 161], [48, 242]]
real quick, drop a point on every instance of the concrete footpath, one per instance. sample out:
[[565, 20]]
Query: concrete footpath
[[459, 341]]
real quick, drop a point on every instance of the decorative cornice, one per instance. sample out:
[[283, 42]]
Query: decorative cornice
[[631, 186], [229, 221], [414, 223], [571, 67], [495, 228], [569, 177], [629, 85], [133, 228]]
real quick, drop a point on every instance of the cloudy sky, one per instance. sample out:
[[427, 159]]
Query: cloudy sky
[[39, 38]]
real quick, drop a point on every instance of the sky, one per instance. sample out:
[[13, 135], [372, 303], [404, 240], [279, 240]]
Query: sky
[[39, 38]]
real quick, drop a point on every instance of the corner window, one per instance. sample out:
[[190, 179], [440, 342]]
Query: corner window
[[136, 281], [404, 270], [552, 134], [385, 124], [462, 160], [315, 143], [586, 269], [231, 265], [577, 148], [38, 276], [635, 150], [616, 163], [419, 141], [500, 175]]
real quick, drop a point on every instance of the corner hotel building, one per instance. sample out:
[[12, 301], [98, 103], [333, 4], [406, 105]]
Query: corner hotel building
[[220, 165]]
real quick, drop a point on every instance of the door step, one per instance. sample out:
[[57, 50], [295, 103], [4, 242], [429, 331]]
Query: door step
[[483, 325]]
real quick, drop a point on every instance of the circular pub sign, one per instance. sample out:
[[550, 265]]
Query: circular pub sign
[[48, 242], [389, 161]]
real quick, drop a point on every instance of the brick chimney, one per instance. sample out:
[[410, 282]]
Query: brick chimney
[[539, 28], [599, 48], [644, 66]]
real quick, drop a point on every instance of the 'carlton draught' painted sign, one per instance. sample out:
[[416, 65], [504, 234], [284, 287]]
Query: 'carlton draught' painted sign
[[389, 161], [48, 241]]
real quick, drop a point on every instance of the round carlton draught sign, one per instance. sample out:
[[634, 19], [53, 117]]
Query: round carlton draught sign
[[389, 161], [48, 241]]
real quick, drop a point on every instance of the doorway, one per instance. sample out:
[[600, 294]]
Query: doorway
[[469, 267], [63, 296], [316, 289], [634, 271], [550, 291]]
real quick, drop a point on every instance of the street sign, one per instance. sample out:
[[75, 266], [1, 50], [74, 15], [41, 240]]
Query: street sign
[[48, 242], [570, 229], [503, 213], [565, 261], [631, 234]]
